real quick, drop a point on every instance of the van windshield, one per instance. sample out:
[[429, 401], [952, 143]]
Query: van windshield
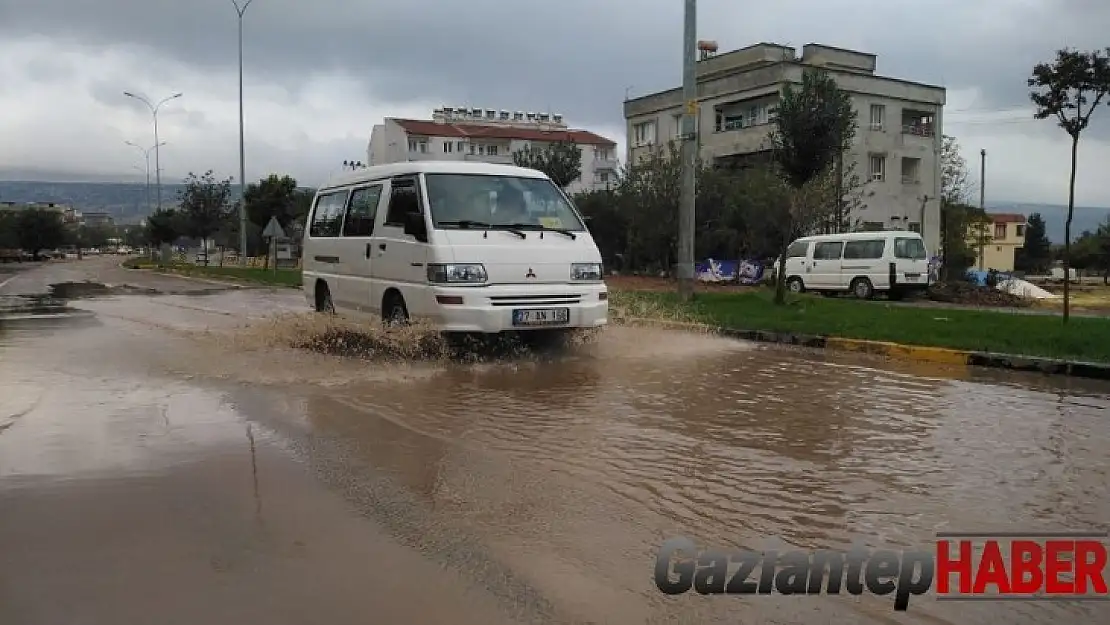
[[474, 200]]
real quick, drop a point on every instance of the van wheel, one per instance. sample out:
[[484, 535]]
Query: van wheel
[[323, 299], [795, 285], [862, 289], [394, 311]]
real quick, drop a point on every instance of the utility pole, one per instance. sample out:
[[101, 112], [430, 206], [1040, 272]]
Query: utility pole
[[839, 212], [240, 10], [157, 152], [689, 154], [146, 157], [982, 202]]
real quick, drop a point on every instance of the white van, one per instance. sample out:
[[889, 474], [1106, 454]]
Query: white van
[[471, 247], [861, 263]]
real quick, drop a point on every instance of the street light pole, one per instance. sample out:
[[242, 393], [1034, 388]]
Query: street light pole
[[240, 10], [157, 153], [146, 157], [689, 154]]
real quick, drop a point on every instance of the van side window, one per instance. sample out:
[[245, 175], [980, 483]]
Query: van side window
[[796, 249], [327, 217], [827, 251], [907, 248], [362, 211], [864, 250], [403, 198]]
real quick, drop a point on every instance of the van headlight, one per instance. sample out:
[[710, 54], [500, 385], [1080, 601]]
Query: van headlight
[[457, 274], [585, 271]]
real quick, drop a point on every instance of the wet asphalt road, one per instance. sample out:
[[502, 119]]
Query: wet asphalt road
[[166, 457]]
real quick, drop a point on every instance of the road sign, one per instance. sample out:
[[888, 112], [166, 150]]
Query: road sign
[[692, 107], [273, 230]]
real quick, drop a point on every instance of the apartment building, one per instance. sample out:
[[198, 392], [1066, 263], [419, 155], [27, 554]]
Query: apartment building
[[997, 240], [490, 136], [897, 146]]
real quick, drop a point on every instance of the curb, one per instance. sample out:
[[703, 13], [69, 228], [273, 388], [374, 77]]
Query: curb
[[227, 283], [921, 353]]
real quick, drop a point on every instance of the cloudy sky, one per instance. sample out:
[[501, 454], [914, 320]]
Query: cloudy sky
[[321, 73]]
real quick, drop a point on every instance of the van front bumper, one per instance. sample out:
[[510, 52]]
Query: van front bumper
[[489, 309]]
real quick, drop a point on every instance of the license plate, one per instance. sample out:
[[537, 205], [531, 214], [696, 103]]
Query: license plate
[[540, 316], [913, 276]]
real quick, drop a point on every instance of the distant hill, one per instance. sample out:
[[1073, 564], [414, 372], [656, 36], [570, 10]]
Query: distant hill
[[125, 201]]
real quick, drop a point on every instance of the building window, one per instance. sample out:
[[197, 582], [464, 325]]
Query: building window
[[878, 167], [911, 170], [472, 148], [492, 150], [481, 150], [878, 116], [413, 145], [643, 133], [873, 226], [448, 147], [1020, 230], [1000, 231]]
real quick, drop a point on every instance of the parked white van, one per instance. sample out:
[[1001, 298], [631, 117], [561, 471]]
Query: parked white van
[[861, 263], [471, 247]]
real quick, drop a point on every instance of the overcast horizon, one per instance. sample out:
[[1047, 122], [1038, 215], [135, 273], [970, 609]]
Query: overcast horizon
[[319, 75]]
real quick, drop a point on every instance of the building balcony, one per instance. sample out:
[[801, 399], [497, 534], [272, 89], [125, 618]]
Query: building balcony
[[606, 164], [424, 156]]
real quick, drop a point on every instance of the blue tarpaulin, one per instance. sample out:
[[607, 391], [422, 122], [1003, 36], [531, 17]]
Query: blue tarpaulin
[[738, 271]]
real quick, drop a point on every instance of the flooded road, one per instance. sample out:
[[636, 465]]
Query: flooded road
[[166, 456]]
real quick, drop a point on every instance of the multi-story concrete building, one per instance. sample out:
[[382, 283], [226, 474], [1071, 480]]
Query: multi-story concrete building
[[490, 136], [997, 240], [897, 146]]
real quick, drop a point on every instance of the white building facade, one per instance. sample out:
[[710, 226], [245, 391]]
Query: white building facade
[[491, 136], [897, 147]]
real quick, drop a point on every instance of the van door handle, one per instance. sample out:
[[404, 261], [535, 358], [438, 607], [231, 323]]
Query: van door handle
[[368, 250], [381, 246]]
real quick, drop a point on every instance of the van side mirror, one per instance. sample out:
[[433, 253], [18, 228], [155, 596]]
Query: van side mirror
[[416, 227]]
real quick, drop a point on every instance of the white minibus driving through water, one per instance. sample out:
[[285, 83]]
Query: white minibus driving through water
[[470, 247]]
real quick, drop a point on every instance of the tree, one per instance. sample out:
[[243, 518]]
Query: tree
[[955, 183], [560, 160], [9, 239], [1069, 89], [162, 227], [815, 122], [204, 205], [1036, 255], [37, 229], [272, 197]]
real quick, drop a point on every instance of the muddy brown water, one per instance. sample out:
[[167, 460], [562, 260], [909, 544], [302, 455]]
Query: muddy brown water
[[173, 459]]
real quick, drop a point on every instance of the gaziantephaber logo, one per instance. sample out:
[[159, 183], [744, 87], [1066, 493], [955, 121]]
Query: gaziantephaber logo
[[1068, 566]]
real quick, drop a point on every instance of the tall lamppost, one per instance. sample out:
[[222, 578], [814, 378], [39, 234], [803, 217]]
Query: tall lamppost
[[157, 153], [240, 10], [146, 157]]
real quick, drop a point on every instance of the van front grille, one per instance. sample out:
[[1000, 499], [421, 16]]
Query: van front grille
[[535, 300]]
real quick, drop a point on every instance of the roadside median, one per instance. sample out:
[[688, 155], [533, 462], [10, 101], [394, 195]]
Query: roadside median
[[251, 276], [945, 336]]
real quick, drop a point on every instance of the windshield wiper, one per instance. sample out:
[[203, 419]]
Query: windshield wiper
[[466, 224], [543, 229]]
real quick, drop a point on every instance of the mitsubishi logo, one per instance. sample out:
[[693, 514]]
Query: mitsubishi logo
[[530, 274]]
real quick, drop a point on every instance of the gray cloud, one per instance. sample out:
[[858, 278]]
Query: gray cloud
[[576, 56]]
